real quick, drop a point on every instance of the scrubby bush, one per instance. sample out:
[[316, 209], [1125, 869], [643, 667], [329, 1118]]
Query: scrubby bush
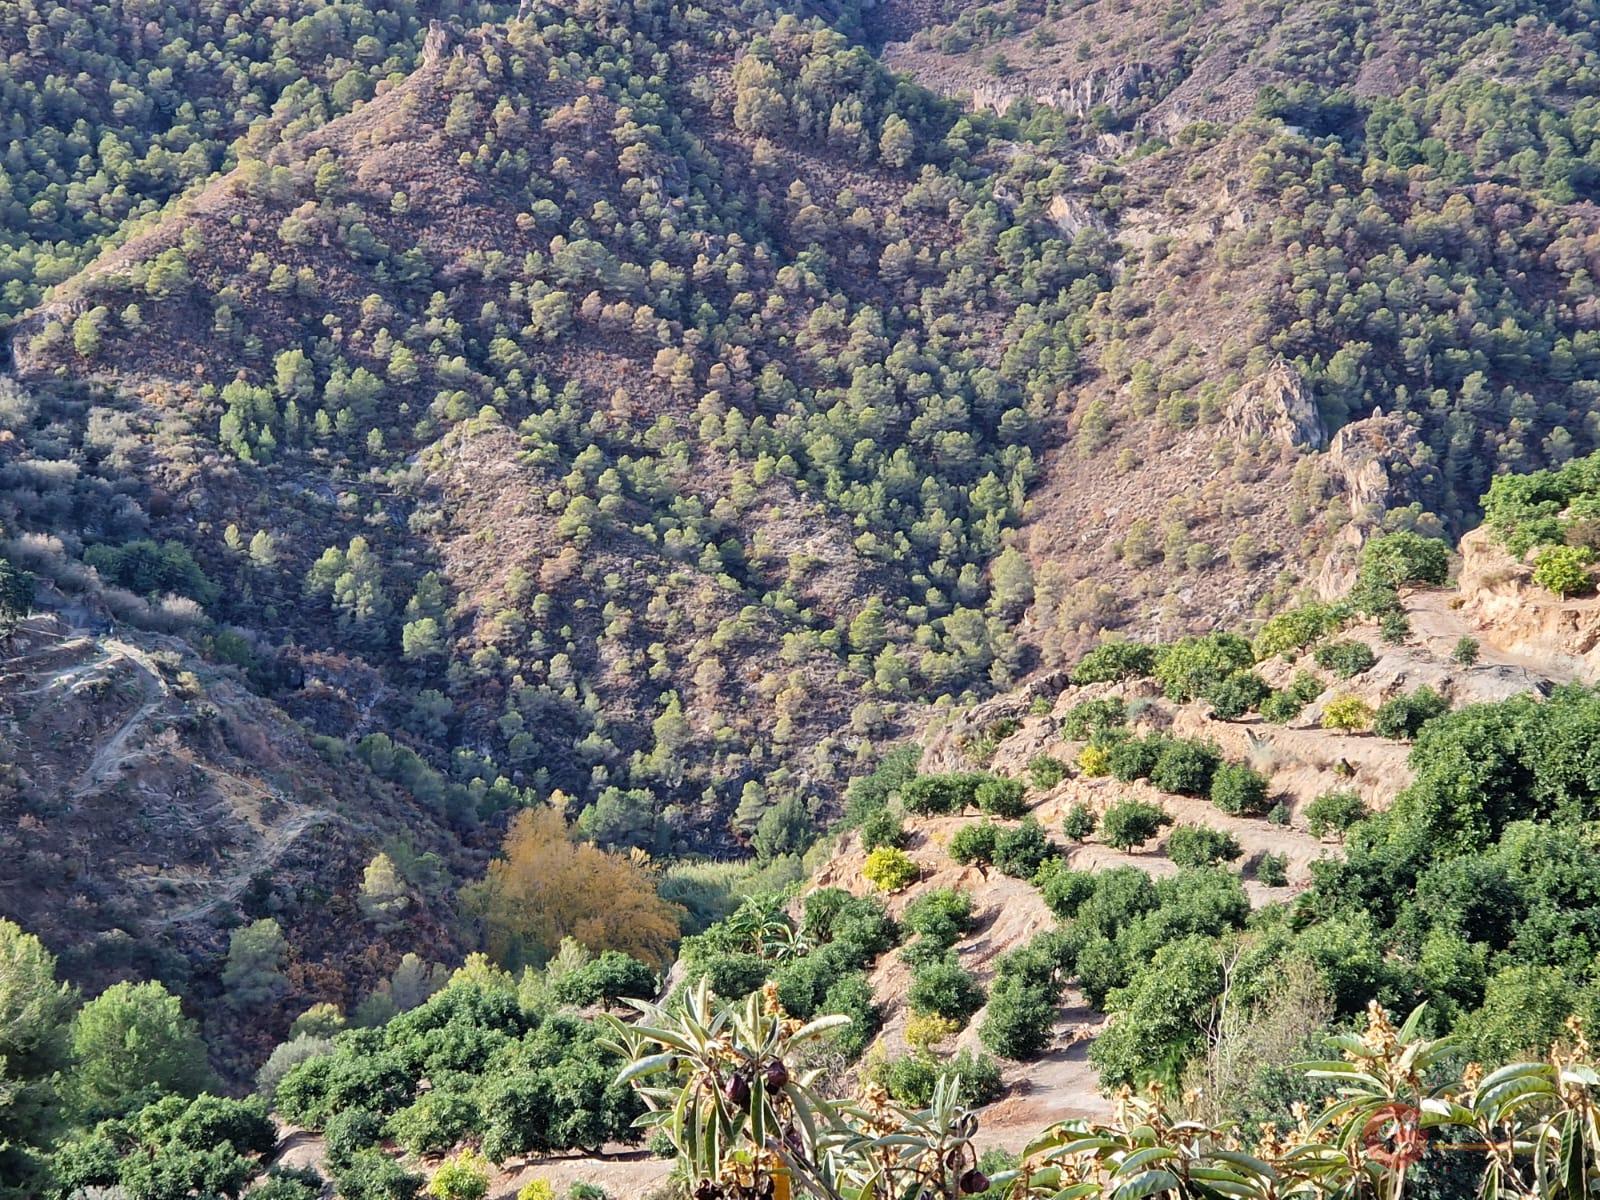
[[1002, 798], [882, 828], [1129, 824], [1393, 560], [1272, 869], [946, 989], [1135, 758], [1112, 661], [1239, 790], [1192, 666], [1299, 627], [1404, 716], [1345, 659], [1089, 717], [941, 795], [1044, 772], [912, 1078], [1564, 570], [1334, 812], [464, 1176], [1079, 823], [1465, 652], [1236, 695], [975, 843], [1284, 706], [890, 870], [1200, 846], [941, 915], [1020, 851], [1185, 767], [1347, 714]]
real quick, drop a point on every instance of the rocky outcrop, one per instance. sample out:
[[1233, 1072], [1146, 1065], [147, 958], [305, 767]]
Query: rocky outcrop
[[1277, 408], [1374, 463], [1512, 614]]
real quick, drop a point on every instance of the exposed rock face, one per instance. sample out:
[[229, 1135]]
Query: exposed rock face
[[1277, 407], [1076, 97], [1517, 617], [1373, 462]]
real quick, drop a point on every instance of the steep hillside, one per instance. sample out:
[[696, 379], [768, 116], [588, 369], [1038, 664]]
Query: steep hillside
[[151, 801]]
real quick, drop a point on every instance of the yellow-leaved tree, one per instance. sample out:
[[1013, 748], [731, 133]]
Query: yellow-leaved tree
[[546, 886]]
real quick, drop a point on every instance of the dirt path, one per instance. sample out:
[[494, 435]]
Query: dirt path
[[230, 887], [110, 756], [1440, 627]]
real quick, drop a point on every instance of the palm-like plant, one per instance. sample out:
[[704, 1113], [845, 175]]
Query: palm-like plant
[[719, 1081]]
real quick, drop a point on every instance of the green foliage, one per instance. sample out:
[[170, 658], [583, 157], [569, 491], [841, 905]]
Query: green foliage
[[944, 988], [1296, 628], [913, 1078], [1404, 716], [1345, 659], [1021, 850], [1564, 570], [1284, 706], [1237, 694], [1200, 846], [941, 915], [1191, 666], [1113, 661], [1272, 869], [1079, 823], [882, 828], [151, 569], [16, 596], [1129, 824], [606, 979], [1186, 767], [1002, 798], [1465, 652], [1044, 771], [890, 870], [1334, 812], [1392, 560], [937, 795], [1239, 790], [1134, 758], [975, 843], [134, 1032], [1089, 717]]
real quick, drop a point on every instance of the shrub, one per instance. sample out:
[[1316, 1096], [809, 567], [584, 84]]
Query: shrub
[[1018, 1020], [1002, 798], [1112, 661], [463, 1177], [1079, 823], [941, 795], [1345, 659], [1089, 717], [1191, 666], [1200, 846], [538, 1189], [912, 1078], [1284, 706], [1273, 869], [941, 915], [1236, 695], [1334, 812], [1348, 714], [1185, 767], [925, 1032], [1404, 716], [1094, 762], [1019, 852], [1065, 890], [1135, 758], [1044, 772], [1297, 627], [882, 828], [1564, 570], [946, 989], [1239, 790], [605, 980], [1392, 560], [1129, 824], [1465, 652], [1394, 627], [890, 870], [975, 843], [375, 1176]]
